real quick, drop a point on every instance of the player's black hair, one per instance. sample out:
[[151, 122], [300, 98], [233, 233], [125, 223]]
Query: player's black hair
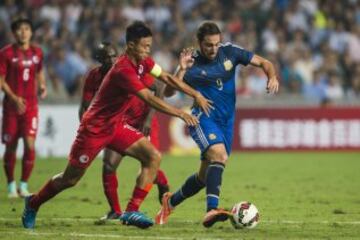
[[136, 31], [17, 23], [207, 28], [102, 51]]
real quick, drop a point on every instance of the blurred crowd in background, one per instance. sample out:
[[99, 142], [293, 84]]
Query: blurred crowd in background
[[315, 44]]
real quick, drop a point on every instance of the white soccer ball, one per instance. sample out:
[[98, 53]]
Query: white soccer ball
[[244, 215]]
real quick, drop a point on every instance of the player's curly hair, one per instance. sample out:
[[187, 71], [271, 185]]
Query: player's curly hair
[[136, 31], [207, 28], [18, 21]]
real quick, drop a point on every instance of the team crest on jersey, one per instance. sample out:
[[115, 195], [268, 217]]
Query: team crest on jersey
[[141, 69], [228, 65], [14, 60], [84, 158], [212, 136], [36, 59], [203, 73]]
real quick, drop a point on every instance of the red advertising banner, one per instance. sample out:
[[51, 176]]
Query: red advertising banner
[[277, 129]]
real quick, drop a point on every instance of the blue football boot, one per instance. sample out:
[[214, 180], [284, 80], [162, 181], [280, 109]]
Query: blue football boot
[[137, 219], [29, 215]]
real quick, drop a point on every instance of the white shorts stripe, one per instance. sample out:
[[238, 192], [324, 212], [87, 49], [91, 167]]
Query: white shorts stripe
[[202, 137]]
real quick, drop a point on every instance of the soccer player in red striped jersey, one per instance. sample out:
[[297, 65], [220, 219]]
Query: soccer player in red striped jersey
[[21, 76], [102, 125], [139, 116]]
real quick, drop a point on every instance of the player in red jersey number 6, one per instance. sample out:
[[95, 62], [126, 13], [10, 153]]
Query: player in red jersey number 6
[[21, 76]]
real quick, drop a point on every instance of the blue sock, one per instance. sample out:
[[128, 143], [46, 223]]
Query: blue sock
[[213, 184], [191, 187]]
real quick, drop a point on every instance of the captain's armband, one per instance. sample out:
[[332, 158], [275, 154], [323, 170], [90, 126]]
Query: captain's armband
[[156, 71]]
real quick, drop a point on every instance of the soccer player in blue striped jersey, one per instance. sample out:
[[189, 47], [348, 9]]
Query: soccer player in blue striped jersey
[[211, 71]]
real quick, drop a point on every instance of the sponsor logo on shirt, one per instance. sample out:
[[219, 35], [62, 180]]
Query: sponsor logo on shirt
[[27, 63], [14, 60]]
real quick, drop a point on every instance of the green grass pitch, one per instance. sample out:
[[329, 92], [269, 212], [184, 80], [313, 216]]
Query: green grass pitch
[[299, 196]]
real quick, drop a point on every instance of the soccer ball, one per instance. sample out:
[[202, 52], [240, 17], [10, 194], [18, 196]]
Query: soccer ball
[[244, 215]]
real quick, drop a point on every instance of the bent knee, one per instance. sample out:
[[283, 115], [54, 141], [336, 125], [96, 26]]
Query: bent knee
[[71, 182], [218, 157], [110, 167], [154, 158], [11, 147], [66, 181], [222, 158]]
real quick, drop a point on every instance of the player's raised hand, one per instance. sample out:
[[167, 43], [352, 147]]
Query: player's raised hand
[[204, 103], [20, 105], [189, 119], [272, 85], [186, 60]]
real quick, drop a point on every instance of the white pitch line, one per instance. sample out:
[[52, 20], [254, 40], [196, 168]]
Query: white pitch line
[[312, 222], [190, 221], [88, 235]]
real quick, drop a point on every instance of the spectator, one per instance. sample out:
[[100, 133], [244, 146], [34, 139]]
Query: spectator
[[158, 14], [134, 11], [300, 36], [353, 46], [316, 90], [338, 38], [69, 67], [304, 65], [256, 82], [333, 90]]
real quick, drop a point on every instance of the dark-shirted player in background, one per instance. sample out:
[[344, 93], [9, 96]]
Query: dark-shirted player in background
[[102, 125], [211, 71], [139, 116], [21, 77]]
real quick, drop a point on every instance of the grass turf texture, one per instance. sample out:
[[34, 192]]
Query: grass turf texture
[[299, 196]]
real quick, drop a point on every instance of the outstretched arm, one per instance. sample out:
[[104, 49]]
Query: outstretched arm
[[162, 106], [272, 83], [174, 82], [159, 92], [178, 84]]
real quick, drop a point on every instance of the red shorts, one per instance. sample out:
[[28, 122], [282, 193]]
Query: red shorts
[[87, 145], [15, 126]]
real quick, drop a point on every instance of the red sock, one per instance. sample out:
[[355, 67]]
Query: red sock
[[137, 198], [46, 192], [27, 164], [161, 179], [9, 165], [110, 184]]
